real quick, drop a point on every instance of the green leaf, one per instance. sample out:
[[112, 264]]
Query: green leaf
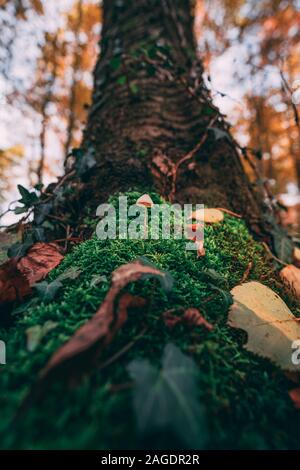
[[116, 62], [134, 88], [166, 281], [212, 276], [48, 291], [20, 210], [6, 241], [85, 162], [97, 279], [226, 296], [283, 246], [19, 249], [28, 198], [36, 333], [167, 398], [41, 211], [121, 80], [72, 273]]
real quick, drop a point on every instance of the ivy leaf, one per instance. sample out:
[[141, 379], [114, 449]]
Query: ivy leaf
[[283, 245], [41, 212], [28, 198], [20, 210], [97, 279], [6, 240], [19, 249], [85, 162], [166, 281], [212, 276], [166, 399], [47, 291], [36, 333], [121, 80], [226, 295], [72, 273], [116, 62]]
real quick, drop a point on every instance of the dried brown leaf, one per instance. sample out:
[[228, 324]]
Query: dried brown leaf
[[17, 276], [271, 326], [290, 275], [295, 397], [40, 259], [191, 317], [99, 331], [13, 284]]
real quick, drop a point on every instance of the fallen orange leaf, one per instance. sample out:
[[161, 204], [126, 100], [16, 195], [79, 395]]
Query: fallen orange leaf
[[290, 275], [295, 397], [17, 276], [40, 259]]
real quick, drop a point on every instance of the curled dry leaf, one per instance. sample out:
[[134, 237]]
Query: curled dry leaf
[[191, 317], [296, 255], [208, 216], [162, 165], [295, 397], [271, 326], [99, 331], [170, 319], [40, 259], [17, 276], [290, 275], [13, 284]]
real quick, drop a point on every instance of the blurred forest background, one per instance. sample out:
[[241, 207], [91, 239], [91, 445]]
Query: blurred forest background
[[251, 51]]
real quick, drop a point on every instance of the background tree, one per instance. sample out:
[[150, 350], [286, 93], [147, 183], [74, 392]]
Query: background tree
[[152, 119]]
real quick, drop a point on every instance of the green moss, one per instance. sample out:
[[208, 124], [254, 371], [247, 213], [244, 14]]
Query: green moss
[[245, 396]]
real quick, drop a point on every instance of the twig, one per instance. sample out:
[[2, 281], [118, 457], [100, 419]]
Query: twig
[[187, 157], [272, 255], [246, 273], [234, 214]]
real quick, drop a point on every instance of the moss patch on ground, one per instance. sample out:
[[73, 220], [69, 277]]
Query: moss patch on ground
[[246, 398]]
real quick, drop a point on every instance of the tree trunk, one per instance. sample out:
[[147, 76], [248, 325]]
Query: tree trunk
[[152, 110]]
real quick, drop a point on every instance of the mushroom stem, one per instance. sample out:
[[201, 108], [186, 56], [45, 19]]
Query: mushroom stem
[[145, 224]]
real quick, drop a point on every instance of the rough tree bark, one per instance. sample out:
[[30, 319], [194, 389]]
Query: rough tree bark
[[151, 111]]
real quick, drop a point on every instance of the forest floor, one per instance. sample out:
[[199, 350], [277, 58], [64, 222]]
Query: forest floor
[[236, 400]]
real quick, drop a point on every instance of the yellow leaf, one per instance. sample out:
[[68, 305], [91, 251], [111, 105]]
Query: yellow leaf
[[290, 275], [272, 328]]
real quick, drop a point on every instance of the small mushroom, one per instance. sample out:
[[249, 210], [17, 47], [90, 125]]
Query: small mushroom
[[145, 201], [199, 244], [209, 216]]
